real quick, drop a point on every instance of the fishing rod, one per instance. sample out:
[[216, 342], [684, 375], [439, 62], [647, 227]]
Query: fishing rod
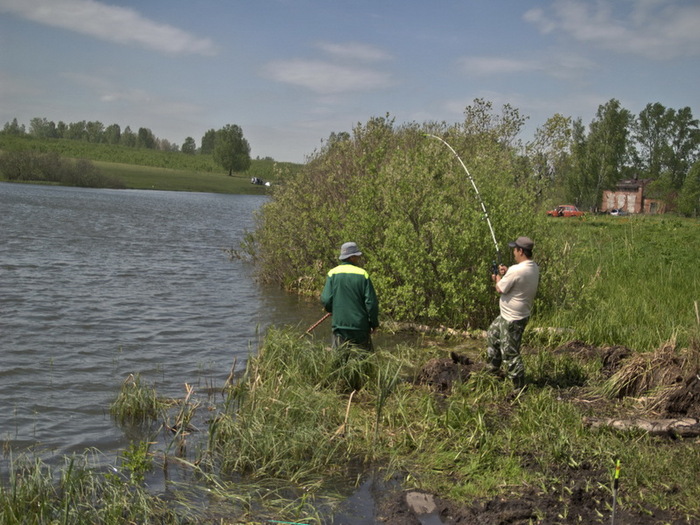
[[311, 328], [494, 268]]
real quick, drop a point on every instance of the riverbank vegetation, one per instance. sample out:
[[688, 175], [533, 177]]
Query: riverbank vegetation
[[289, 438], [407, 202], [98, 165]]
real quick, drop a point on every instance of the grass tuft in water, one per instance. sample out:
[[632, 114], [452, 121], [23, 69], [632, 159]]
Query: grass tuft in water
[[137, 403], [77, 494]]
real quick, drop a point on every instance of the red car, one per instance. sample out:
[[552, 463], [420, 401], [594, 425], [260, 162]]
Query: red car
[[565, 210]]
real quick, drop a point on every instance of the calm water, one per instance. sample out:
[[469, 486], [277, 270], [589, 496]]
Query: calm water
[[98, 284]]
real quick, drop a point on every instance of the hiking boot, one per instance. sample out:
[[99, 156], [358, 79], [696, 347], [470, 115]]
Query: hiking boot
[[500, 374], [519, 382], [516, 393]]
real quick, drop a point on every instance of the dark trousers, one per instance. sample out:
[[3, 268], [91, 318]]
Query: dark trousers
[[357, 338]]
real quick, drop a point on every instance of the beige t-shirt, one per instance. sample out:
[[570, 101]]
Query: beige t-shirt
[[518, 288]]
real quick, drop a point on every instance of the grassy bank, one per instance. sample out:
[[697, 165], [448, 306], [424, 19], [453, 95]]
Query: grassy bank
[[297, 416], [136, 168], [152, 178]]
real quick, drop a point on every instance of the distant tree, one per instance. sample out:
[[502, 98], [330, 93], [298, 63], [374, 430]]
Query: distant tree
[[145, 139], [61, 129], [550, 152], [76, 131], [232, 151], [667, 145], [599, 158], [189, 146], [13, 128], [113, 134], [208, 142], [652, 130], [689, 198], [42, 128], [166, 145], [579, 179], [95, 131], [128, 138], [684, 148]]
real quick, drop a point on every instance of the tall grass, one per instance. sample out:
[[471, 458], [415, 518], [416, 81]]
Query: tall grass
[[284, 416], [77, 494], [634, 281], [137, 403]]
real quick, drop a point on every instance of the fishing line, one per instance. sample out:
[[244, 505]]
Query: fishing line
[[476, 190]]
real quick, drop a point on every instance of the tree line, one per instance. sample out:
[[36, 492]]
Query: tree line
[[407, 202], [227, 145], [566, 160], [577, 163]]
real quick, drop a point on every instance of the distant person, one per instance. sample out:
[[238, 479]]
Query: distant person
[[517, 287], [350, 297]]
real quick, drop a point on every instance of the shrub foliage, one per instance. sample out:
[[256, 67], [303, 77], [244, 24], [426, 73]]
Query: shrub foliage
[[24, 166], [408, 203]]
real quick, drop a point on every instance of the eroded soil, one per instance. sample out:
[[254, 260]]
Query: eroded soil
[[584, 500]]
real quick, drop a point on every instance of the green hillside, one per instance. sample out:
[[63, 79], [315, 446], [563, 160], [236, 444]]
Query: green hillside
[[140, 168]]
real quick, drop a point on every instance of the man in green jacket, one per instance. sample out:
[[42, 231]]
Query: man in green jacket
[[349, 295]]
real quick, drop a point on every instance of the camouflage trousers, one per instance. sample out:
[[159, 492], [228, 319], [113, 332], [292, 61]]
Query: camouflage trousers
[[503, 339]]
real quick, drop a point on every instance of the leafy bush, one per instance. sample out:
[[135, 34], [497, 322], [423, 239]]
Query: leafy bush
[[23, 166], [405, 199]]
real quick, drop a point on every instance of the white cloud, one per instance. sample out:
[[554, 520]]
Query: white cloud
[[110, 23], [656, 29], [558, 65], [325, 77], [486, 66], [354, 51]]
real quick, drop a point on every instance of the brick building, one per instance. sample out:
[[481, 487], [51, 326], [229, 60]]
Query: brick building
[[630, 196]]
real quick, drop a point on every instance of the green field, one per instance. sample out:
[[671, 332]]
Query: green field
[[152, 178], [151, 169], [626, 280]]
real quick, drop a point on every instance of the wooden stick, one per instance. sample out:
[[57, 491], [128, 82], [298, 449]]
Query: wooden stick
[[311, 328]]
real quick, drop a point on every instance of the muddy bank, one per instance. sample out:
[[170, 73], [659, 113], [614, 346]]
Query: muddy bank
[[667, 382]]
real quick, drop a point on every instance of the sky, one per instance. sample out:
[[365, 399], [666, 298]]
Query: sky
[[291, 72]]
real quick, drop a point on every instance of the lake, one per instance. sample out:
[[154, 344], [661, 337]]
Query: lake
[[96, 285]]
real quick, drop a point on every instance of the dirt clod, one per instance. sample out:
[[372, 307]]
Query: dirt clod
[[441, 373]]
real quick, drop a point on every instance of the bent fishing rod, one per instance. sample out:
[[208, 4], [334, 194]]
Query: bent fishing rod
[[476, 190]]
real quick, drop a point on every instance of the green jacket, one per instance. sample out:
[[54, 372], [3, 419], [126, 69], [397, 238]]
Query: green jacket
[[349, 295]]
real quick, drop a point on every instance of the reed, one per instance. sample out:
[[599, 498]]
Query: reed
[[137, 403], [77, 493]]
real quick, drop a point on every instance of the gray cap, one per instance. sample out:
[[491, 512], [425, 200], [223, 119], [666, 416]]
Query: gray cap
[[349, 249], [522, 242]]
